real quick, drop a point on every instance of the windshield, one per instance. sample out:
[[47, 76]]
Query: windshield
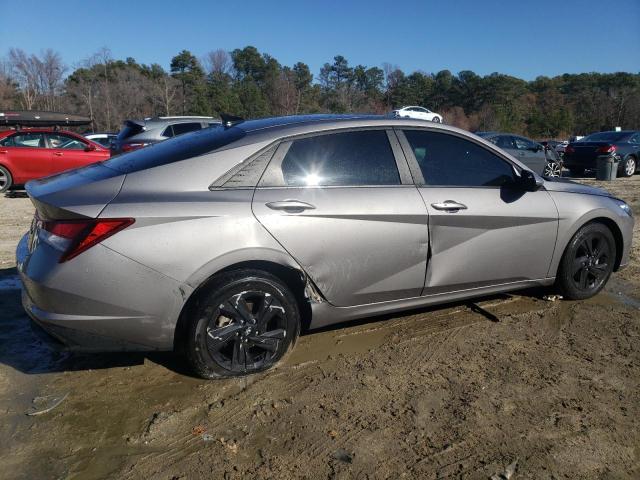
[[175, 149], [605, 137]]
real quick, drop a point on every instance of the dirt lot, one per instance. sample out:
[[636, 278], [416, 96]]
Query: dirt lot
[[550, 389]]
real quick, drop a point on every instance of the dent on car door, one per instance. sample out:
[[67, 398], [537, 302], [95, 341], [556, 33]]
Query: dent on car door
[[484, 230], [339, 204]]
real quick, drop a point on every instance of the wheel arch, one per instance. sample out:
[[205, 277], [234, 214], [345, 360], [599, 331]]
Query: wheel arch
[[291, 274], [604, 220]]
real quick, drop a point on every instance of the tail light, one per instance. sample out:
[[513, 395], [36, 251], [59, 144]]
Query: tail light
[[72, 237], [127, 147], [569, 149], [606, 149]]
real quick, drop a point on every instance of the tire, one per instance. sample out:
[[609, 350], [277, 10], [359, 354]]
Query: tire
[[552, 169], [6, 180], [587, 262], [245, 322], [576, 171], [628, 166], [436, 120]]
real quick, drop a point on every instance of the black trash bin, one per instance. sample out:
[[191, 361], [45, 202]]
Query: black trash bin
[[607, 168]]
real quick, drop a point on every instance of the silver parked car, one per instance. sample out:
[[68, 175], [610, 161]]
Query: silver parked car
[[225, 243]]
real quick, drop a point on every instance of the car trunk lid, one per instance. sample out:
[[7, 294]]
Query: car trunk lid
[[79, 193]]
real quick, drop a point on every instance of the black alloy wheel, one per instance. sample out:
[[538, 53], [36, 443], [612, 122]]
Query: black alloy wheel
[[587, 262], [245, 322]]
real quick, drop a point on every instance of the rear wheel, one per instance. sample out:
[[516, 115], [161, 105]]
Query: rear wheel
[[587, 262], [5, 179], [436, 120], [245, 322], [628, 167]]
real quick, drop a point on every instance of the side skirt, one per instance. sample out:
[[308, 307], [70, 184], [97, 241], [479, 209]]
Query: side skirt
[[324, 314]]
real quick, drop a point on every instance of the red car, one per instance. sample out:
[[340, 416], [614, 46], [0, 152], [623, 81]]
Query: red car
[[32, 153]]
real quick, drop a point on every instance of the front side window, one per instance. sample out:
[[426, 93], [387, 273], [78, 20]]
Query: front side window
[[524, 144], [339, 159], [24, 140], [448, 160], [66, 142]]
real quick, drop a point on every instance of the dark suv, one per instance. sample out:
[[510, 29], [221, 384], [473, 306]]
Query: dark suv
[[140, 133]]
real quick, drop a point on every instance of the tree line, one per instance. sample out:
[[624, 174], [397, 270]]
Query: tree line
[[251, 84]]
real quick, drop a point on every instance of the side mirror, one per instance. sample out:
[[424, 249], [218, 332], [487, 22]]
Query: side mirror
[[89, 148], [529, 182]]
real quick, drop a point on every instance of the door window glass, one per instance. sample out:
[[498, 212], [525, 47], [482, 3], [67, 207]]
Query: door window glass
[[448, 160], [350, 158], [25, 140], [523, 143], [180, 128], [64, 142]]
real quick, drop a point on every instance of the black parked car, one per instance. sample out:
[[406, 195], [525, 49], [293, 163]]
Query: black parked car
[[545, 162], [583, 154]]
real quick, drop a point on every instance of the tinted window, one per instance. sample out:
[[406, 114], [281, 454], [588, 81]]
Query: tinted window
[[351, 158], [523, 143], [33, 140], [502, 141], [66, 142], [168, 132], [448, 160], [180, 128]]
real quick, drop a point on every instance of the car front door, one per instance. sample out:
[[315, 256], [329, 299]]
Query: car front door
[[484, 229], [27, 156], [345, 207], [69, 152], [530, 153]]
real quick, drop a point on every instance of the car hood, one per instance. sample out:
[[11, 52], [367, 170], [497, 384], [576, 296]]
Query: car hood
[[564, 185]]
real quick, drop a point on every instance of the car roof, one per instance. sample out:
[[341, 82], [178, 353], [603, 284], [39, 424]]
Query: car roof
[[38, 130]]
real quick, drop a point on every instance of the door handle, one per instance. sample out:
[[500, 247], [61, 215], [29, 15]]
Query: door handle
[[57, 154], [449, 206], [290, 206]]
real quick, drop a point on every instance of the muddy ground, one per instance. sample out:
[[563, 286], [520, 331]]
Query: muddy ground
[[548, 389]]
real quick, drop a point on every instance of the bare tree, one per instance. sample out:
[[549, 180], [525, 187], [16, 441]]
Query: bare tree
[[8, 90], [165, 92], [218, 62], [25, 73], [50, 70]]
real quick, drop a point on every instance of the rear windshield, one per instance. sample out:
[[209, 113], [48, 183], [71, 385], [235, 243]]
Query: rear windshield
[[129, 129], [175, 149], [605, 137]]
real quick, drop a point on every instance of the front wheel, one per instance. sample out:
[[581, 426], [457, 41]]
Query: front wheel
[[628, 167], [587, 262], [552, 169], [245, 322], [436, 120], [5, 179]]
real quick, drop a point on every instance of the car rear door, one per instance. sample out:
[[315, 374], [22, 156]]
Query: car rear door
[[483, 230], [345, 207], [26, 156]]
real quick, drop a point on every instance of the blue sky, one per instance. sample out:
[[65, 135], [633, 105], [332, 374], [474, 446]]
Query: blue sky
[[521, 38]]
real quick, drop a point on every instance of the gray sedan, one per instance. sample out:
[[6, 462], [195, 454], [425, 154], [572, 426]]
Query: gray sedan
[[225, 243]]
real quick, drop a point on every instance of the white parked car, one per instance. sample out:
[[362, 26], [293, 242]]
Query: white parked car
[[419, 113], [103, 139]]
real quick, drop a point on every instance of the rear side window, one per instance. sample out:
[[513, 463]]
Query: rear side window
[[339, 159], [180, 128], [448, 160], [25, 140], [175, 149], [129, 129]]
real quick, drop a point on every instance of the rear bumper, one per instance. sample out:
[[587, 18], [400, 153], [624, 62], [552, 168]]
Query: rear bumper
[[99, 301]]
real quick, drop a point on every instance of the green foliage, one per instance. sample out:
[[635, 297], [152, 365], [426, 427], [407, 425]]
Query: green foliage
[[252, 84]]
